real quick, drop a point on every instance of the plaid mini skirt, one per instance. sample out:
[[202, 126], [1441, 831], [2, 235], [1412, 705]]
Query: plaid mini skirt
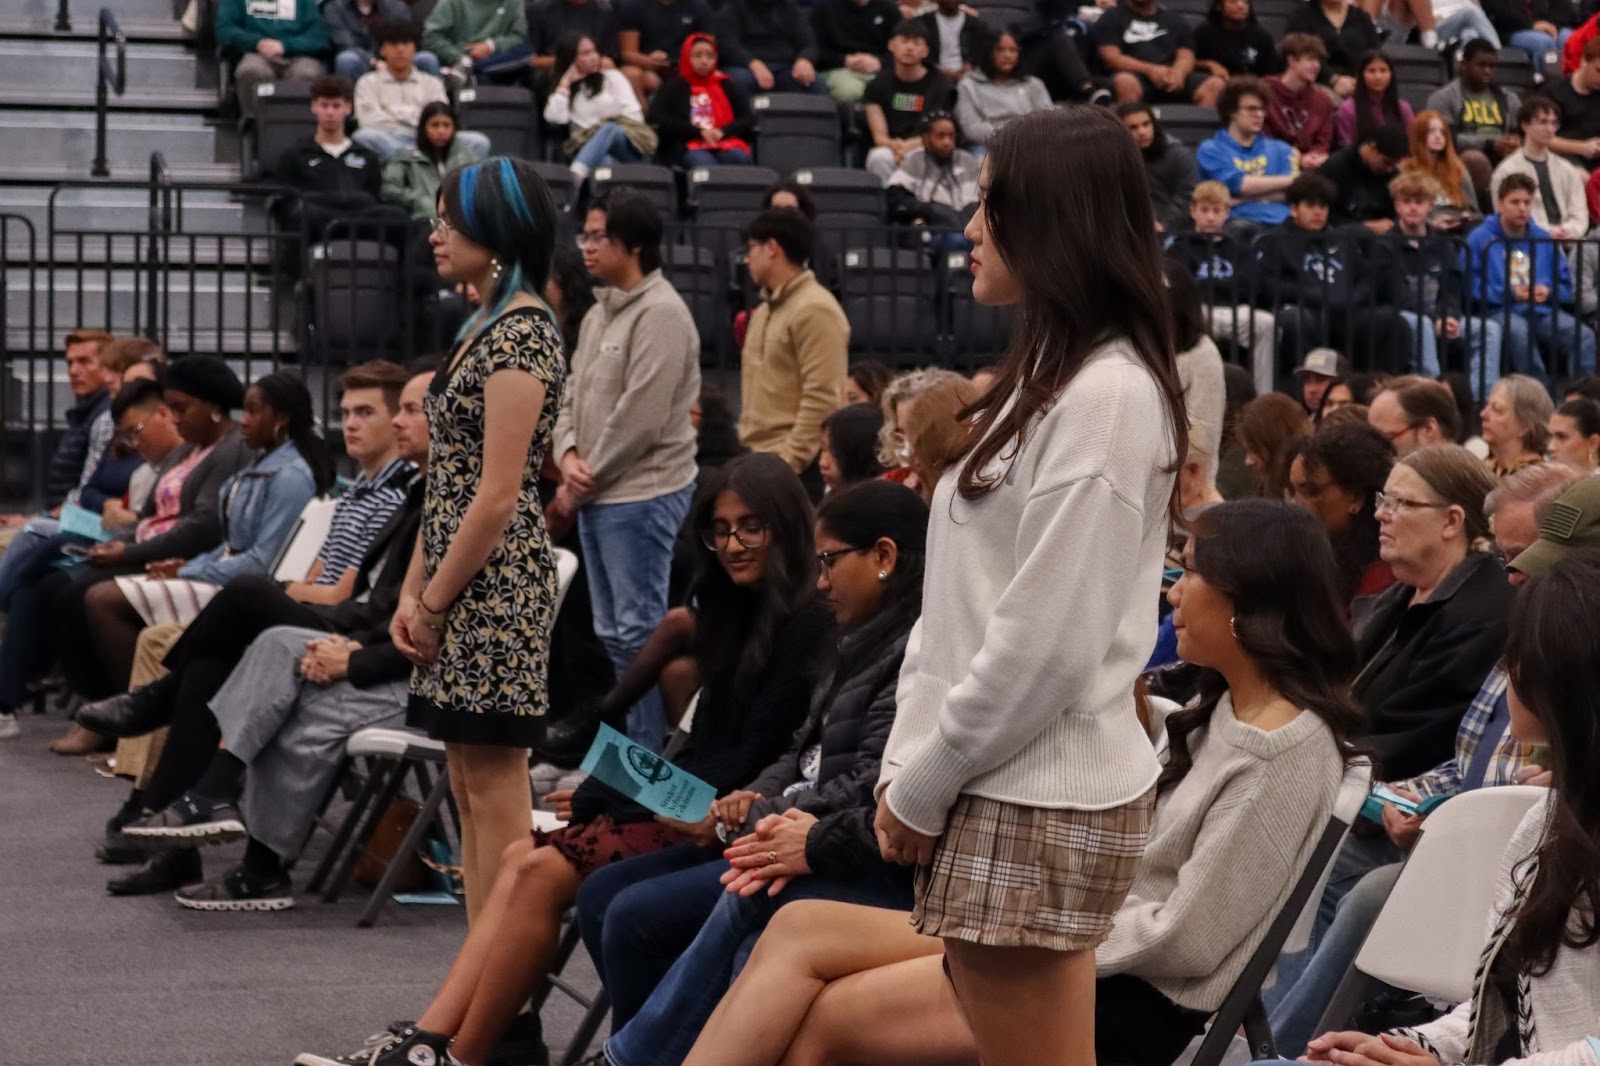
[[1012, 876]]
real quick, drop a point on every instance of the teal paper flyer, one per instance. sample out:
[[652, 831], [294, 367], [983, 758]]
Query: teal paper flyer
[[83, 522], [647, 778]]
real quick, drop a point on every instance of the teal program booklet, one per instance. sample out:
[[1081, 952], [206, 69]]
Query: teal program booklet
[[647, 778]]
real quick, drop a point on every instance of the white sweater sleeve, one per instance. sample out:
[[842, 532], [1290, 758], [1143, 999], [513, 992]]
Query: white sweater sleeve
[[1073, 538], [558, 108]]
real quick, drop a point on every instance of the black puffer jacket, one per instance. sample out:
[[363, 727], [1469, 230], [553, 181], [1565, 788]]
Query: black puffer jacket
[[851, 715]]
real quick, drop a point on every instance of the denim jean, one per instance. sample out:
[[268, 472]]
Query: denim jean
[[728, 157], [1466, 24], [608, 145], [1301, 1007], [22, 555], [386, 144], [1483, 338], [637, 916], [507, 66], [665, 1029], [352, 63], [1358, 857], [1538, 44], [627, 550], [782, 80], [1534, 342]]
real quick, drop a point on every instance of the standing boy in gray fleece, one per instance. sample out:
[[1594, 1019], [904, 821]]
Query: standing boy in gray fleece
[[624, 437]]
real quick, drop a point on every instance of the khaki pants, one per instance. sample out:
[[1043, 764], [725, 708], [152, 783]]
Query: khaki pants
[[137, 756], [256, 69]]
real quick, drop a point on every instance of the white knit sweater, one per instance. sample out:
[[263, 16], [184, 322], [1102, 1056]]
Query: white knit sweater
[[616, 99], [1226, 846], [1039, 611]]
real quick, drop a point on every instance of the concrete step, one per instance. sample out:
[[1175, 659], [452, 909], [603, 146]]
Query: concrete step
[[182, 101], [98, 209], [66, 140], [87, 13], [223, 300], [14, 173], [97, 249], [85, 27], [70, 64]]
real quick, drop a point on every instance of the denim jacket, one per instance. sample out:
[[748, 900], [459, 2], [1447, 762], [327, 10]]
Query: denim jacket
[[259, 506]]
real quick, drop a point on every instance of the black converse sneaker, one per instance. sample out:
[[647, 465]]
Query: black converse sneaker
[[191, 818], [238, 890], [395, 1046]]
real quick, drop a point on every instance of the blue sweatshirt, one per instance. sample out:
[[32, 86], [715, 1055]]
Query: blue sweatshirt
[[1491, 251], [1226, 160]]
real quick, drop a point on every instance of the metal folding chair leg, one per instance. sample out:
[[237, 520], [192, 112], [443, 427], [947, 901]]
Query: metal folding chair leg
[[595, 1008], [347, 828], [393, 781], [408, 844]]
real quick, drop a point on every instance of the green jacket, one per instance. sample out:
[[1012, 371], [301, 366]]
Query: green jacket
[[454, 24], [238, 31], [412, 180]]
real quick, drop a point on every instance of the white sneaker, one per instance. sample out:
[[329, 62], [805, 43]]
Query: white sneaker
[[9, 729]]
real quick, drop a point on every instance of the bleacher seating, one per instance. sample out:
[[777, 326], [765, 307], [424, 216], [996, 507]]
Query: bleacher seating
[[796, 130], [506, 114], [720, 189], [1002, 16], [843, 190], [1516, 70], [655, 182], [283, 119], [1416, 64], [887, 296], [973, 327], [700, 277], [1188, 123]]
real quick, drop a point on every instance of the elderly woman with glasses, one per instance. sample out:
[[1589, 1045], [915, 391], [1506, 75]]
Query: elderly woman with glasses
[[1427, 643]]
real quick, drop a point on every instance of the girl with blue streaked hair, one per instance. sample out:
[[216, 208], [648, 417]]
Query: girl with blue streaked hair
[[479, 597]]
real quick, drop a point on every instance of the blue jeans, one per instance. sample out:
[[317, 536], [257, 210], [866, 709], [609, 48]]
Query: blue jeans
[[503, 66], [1358, 857], [664, 1030], [1538, 44], [1466, 24], [23, 555], [782, 80], [1536, 343], [627, 550], [728, 157], [608, 145], [637, 916], [352, 63], [1301, 1007], [386, 144], [1482, 336]]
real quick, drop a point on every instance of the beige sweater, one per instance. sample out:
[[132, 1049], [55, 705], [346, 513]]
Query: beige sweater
[[635, 374], [1039, 612], [793, 370], [1225, 848]]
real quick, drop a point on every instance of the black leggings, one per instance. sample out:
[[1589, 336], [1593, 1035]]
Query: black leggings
[[200, 663], [1134, 1025]]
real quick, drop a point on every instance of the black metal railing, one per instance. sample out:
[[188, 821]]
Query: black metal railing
[[63, 18], [108, 79]]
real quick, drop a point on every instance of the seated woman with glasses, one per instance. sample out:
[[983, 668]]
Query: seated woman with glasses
[[639, 916], [759, 636]]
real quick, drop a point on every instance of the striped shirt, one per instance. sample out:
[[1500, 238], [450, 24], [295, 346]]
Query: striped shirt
[[1510, 756], [363, 510]]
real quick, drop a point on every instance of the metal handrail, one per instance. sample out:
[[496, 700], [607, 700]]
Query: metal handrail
[[160, 221], [63, 18], [107, 78]]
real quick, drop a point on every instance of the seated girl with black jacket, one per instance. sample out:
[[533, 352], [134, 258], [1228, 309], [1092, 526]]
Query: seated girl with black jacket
[[759, 634], [702, 117]]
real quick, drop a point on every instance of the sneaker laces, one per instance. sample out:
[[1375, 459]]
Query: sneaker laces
[[374, 1047]]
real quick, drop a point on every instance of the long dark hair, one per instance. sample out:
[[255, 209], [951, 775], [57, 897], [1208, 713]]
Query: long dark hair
[[577, 291], [869, 511], [1090, 269], [424, 144], [1159, 142], [1273, 561], [1189, 325], [1388, 103], [719, 430], [986, 59], [566, 53], [1357, 458], [503, 205], [735, 627], [852, 434], [288, 396], [1550, 657]]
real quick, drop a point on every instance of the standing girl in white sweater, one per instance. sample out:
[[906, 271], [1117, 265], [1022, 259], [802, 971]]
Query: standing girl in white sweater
[[1018, 776]]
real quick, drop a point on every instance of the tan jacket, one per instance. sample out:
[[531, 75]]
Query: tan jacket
[[794, 365], [635, 374]]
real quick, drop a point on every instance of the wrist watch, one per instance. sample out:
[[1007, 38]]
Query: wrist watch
[[434, 620]]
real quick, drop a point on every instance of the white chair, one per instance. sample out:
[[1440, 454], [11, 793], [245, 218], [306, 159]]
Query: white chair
[[1290, 931], [305, 540], [1431, 930]]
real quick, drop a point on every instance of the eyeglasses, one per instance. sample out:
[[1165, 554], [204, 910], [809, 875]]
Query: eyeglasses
[[1387, 503], [1397, 434], [825, 560], [132, 434], [440, 227], [590, 240], [750, 535]]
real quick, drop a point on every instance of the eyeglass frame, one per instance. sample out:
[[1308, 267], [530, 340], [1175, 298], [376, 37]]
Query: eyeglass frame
[[709, 538], [440, 226], [827, 559], [1384, 502], [585, 242]]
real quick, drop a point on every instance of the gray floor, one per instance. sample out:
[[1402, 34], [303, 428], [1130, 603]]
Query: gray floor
[[90, 980]]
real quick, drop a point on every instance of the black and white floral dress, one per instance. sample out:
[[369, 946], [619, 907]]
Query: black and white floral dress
[[489, 683]]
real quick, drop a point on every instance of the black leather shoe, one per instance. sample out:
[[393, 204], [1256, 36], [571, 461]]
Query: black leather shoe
[[116, 849], [167, 872], [132, 714]]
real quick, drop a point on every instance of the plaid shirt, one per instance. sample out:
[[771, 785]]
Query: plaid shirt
[[1510, 756]]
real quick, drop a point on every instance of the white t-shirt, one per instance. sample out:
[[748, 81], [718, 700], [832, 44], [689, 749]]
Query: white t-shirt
[[950, 39], [281, 10]]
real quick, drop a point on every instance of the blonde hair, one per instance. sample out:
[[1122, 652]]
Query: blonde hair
[[1531, 407], [1211, 192], [934, 432], [907, 386]]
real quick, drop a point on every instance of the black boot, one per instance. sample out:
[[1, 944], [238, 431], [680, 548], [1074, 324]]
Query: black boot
[[118, 850], [132, 714], [167, 872]]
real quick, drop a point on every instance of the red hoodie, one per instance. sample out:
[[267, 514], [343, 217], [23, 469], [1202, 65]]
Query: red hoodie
[[1304, 119], [708, 103]]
